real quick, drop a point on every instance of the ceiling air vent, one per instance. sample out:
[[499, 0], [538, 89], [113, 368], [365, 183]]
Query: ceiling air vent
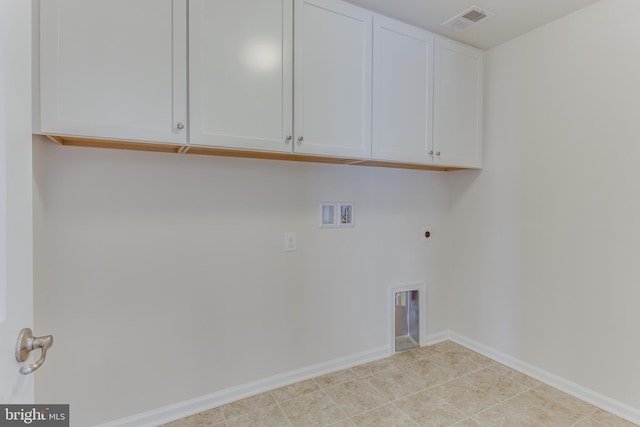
[[466, 19]]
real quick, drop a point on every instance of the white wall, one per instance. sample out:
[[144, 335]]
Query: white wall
[[176, 262], [545, 243], [163, 277]]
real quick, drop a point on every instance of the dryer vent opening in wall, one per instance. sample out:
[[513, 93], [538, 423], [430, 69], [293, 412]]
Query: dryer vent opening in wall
[[407, 320]]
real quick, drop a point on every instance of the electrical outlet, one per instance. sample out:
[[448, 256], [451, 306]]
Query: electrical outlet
[[426, 234], [290, 242]]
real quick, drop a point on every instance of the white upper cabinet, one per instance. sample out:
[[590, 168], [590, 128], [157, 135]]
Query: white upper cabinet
[[332, 91], [457, 122], [114, 69], [302, 77], [402, 92], [240, 74]]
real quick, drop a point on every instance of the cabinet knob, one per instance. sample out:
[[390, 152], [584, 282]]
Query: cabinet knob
[[289, 137], [300, 139], [431, 153], [180, 125], [437, 153]]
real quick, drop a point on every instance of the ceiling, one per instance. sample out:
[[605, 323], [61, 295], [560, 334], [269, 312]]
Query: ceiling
[[512, 17]]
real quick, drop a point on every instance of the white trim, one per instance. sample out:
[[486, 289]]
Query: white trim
[[436, 338], [421, 287], [601, 401], [3, 182], [199, 404]]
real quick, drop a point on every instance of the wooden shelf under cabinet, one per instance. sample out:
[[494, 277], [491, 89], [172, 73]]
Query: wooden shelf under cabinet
[[74, 141]]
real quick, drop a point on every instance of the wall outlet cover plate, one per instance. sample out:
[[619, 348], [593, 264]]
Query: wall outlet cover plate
[[290, 242]]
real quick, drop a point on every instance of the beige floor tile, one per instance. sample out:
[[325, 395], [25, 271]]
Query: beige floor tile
[[385, 416], [551, 407], [248, 405], [344, 423], [548, 395], [315, 409], [429, 373], [440, 385], [469, 422], [373, 367], [461, 364], [484, 361], [428, 409], [185, 422], [450, 346], [444, 346], [355, 397], [294, 390], [501, 382], [601, 418], [271, 416], [213, 417], [336, 378], [424, 351], [409, 356], [465, 397], [504, 416], [502, 370], [394, 384]]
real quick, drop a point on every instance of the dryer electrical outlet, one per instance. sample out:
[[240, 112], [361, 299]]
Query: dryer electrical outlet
[[426, 234]]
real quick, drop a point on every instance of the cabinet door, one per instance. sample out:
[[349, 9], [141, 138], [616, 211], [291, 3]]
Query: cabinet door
[[458, 105], [240, 58], [402, 92], [114, 69], [332, 79]]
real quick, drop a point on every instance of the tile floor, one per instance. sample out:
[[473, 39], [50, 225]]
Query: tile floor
[[439, 385]]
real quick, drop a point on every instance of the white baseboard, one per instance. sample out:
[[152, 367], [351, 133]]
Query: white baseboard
[[203, 403], [436, 338], [608, 404], [193, 406]]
